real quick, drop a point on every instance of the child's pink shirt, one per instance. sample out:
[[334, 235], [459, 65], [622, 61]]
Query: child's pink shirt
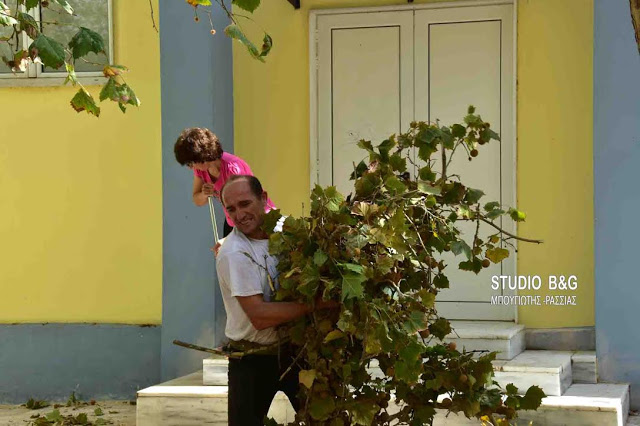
[[230, 165]]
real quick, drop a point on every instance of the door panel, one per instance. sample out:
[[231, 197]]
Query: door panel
[[463, 58], [378, 71], [365, 91]]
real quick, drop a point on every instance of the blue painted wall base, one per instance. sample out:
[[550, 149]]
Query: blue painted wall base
[[101, 361]]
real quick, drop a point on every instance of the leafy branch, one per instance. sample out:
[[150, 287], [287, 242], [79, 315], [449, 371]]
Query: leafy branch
[[49, 52], [380, 253]]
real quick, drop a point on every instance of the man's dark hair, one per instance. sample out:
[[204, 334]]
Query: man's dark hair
[[254, 185], [197, 145]]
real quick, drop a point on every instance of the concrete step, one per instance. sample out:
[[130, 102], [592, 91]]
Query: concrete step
[[550, 370], [506, 338], [582, 405], [187, 401]]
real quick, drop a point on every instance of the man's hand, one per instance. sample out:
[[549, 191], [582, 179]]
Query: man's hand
[[215, 249], [208, 189]]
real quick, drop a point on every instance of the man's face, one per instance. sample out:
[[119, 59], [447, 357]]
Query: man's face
[[245, 209]]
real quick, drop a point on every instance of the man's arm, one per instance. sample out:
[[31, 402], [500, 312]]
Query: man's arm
[[270, 314]]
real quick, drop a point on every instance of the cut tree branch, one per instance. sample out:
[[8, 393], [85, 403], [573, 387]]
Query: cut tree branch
[[529, 240]]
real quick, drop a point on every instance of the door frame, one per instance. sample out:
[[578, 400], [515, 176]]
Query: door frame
[[314, 146]]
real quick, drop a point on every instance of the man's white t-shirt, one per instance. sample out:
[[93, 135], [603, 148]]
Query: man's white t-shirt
[[242, 264]]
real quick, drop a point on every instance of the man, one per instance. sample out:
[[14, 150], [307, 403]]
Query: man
[[248, 276]]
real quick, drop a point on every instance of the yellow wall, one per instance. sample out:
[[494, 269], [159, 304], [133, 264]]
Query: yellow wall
[[80, 197], [555, 151], [555, 173]]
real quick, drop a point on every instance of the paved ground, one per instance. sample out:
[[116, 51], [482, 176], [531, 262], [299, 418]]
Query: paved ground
[[116, 413], [634, 419]]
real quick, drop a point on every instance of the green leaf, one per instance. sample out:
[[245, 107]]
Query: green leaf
[[353, 267], [474, 265], [365, 145], [109, 90], [248, 5], [425, 151], [54, 416], [359, 170], [121, 93], [447, 138], [29, 25], [394, 185], [235, 32], [83, 101], [333, 335], [267, 45], [428, 189], [81, 419], [428, 298], [417, 321], [511, 389], [494, 214], [33, 404], [491, 206], [306, 377], [384, 264], [426, 174], [398, 163], [363, 412], [460, 246], [49, 50], [440, 328], [473, 196], [334, 198], [352, 286], [458, 131], [65, 5], [98, 412], [320, 257], [30, 4], [441, 281], [497, 254], [5, 18], [517, 215], [71, 74], [321, 408], [532, 399], [85, 41]]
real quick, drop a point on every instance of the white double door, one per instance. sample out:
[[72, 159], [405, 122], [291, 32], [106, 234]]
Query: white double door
[[377, 70]]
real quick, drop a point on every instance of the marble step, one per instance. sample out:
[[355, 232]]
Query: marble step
[[506, 338], [582, 405], [214, 371], [584, 367], [550, 370], [187, 401]]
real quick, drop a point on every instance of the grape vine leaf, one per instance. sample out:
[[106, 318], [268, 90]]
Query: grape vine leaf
[[85, 41], [50, 51]]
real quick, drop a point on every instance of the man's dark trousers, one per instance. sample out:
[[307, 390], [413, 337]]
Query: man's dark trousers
[[253, 382]]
